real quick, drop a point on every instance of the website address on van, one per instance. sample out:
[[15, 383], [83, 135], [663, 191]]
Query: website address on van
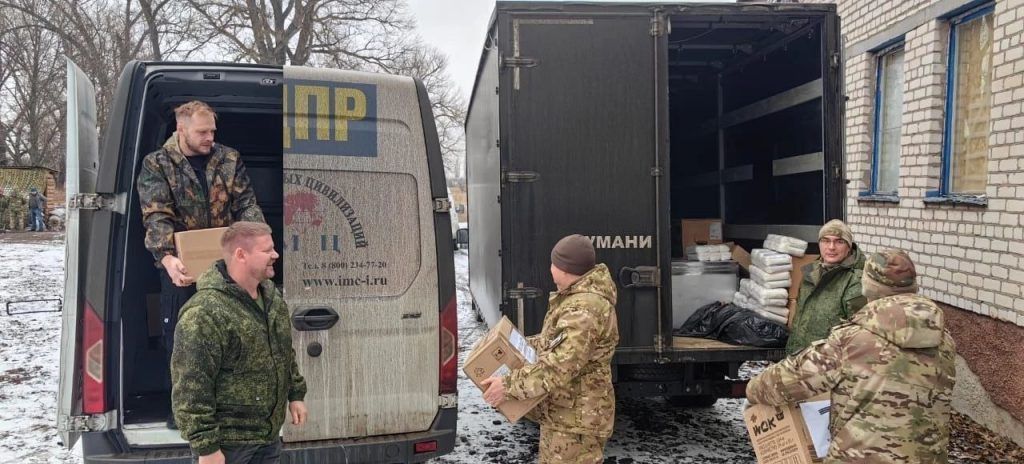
[[364, 281]]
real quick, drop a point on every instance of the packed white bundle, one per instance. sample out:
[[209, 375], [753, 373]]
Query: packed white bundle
[[777, 310], [773, 313], [708, 253], [770, 279], [770, 261], [771, 316], [764, 296], [758, 275], [783, 244]]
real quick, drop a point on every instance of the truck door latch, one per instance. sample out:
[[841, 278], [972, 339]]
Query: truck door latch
[[640, 277], [522, 293]]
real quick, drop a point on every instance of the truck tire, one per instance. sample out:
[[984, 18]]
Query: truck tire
[[692, 401], [651, 372]]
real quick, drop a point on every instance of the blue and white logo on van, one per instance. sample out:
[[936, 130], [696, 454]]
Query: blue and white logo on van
[[330, 118]]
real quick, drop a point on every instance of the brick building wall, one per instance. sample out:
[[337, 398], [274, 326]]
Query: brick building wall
[[969, 256]]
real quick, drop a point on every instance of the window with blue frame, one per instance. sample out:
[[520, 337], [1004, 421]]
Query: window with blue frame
[[888, 120], [965, 143]]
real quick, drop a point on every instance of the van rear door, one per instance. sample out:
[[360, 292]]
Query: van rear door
[[81, 323], [360, 259]]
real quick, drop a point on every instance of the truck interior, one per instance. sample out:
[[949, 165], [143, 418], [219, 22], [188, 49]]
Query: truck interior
[[249, 119], [746, 126]]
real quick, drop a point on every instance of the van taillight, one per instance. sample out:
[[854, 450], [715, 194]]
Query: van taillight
[[94, 399], [449, 347]]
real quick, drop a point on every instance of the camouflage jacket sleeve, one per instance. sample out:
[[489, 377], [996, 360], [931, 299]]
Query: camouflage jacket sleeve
[[243, 206], [535, 341], [195, 364], [557, 367], [813, 371], [157, 209], [853, 297]]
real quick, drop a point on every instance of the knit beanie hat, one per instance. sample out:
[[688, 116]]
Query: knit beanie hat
[[836, 228], [574, 254], [888, 273]]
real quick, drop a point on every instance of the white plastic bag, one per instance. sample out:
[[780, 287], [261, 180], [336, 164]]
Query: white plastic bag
[[764, 296], [783, 244], [771, 261]]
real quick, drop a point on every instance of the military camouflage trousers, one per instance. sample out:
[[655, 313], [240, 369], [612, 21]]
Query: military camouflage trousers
[[560, 447]]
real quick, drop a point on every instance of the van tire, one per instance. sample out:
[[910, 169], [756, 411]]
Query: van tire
[[692, 401]]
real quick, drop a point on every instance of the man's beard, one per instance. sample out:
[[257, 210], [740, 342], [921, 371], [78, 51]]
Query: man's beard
[[197, 148]]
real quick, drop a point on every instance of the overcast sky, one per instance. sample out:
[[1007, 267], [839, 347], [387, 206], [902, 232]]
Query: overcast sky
[[457, 27]]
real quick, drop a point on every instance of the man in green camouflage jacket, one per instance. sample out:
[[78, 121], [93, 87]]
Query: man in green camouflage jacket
[[190, 183], [890, 372], [233, 369], [830, 291], [575, 348]]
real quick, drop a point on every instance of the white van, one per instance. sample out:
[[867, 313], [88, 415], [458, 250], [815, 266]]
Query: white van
[[347, 169]]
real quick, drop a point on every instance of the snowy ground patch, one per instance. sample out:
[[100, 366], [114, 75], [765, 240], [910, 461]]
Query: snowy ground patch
[[30, 351]]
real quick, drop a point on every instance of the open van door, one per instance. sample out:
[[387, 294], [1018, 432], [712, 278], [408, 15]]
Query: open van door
[[360, 262], [82, 159]]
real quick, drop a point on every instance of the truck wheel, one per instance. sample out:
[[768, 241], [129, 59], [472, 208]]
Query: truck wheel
[[692, 401], [651, 372]]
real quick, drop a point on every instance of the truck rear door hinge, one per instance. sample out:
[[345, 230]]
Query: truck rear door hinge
[[519, 176], [656, 171], [522, 293], [519, 62], [659, 26], [835, 60], [442, 205]]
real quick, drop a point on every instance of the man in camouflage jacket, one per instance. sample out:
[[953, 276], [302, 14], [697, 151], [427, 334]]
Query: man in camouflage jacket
[[890, 372], [233, 368], [190, 183], [830, 291], [575, 348]]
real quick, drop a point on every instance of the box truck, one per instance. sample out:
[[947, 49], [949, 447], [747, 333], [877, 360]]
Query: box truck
[[617, 121]]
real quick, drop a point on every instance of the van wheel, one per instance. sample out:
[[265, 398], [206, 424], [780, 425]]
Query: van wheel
[[692, 401], [455, 244]]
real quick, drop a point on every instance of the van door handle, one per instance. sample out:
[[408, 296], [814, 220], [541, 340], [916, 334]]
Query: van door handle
[[310, 319]]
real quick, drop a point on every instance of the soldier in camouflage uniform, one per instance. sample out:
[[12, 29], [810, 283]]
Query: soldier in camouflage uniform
[[233, 368], [573, 367], [830, 292], [890, 372], [190, 183]]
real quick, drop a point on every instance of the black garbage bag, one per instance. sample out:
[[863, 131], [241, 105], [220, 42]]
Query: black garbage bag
[[707, 320], [752, 329], [731, 324]]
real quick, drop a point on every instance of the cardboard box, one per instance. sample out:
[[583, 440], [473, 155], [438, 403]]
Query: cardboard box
[[796, 276], [741, 256], [153, 321], [779, 435], [701, 232], [503, 349], [198, 249]]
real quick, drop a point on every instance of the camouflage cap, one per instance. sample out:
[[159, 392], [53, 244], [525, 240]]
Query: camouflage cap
[[891, 267], [836, 228]]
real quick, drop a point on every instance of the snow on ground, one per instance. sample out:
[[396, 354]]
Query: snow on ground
[[30, 351]]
